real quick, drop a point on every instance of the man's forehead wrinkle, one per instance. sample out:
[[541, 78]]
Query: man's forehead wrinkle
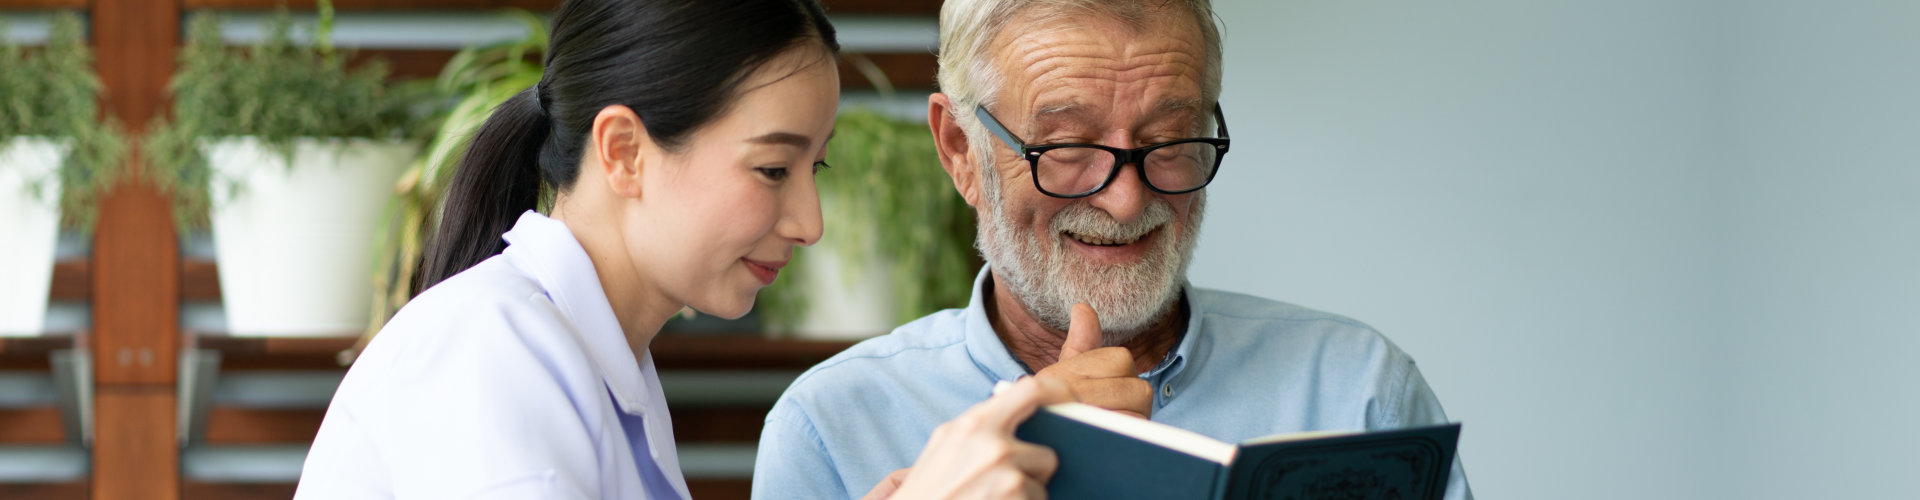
[[1077, 81]]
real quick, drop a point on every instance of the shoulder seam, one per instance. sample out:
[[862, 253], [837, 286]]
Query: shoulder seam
[[843, 357]]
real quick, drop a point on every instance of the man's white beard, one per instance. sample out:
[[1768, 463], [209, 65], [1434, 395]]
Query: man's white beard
[[1048, 281]]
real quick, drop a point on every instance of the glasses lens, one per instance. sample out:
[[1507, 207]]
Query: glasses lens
[[1180, 167], [1071, 171]]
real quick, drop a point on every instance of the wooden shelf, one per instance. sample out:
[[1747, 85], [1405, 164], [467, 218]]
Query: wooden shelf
[[670, 351], [739, 352], [42, 5], [230, 425], [72, 280], [199, 280], [32, 353], [38, 346], [276, 353], [35, 425], [50, 491], [235, 491]]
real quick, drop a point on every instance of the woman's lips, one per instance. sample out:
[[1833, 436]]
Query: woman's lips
[[766, 271]]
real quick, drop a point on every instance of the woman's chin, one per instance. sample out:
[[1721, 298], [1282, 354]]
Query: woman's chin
[[731, 310]]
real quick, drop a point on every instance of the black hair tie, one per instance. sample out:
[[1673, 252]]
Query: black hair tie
[[539, 103]]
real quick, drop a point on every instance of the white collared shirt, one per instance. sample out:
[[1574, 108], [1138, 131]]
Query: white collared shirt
[[510, 380]]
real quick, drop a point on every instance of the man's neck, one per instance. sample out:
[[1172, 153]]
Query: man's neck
[[1039, 346]]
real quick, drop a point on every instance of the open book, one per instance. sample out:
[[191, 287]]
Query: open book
[[1107, 455]]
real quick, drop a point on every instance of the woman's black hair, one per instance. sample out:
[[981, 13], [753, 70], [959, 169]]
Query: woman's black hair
[[676, 63]]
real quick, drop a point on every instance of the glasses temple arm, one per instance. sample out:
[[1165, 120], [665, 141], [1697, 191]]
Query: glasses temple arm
[[1220, 120], [998, 130]]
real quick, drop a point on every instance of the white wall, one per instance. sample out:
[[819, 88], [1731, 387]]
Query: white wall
[[1823, 175], [1642, 248]]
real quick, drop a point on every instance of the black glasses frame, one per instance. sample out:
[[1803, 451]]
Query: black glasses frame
[[1136, 156]]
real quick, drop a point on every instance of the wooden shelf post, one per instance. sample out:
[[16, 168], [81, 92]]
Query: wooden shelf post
[[136, 270]]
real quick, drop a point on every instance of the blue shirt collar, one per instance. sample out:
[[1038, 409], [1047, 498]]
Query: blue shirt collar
[[993, 358]]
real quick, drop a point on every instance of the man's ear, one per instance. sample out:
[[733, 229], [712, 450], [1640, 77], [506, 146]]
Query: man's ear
[[622, 145], [955, 154]]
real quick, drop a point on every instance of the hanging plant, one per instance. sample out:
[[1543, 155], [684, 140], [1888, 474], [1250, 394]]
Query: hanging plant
[[52, 93], [276, 91]]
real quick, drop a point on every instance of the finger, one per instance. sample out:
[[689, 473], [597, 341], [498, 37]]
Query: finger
[[1083, 332], [1121, 394], [1101, 363], [1035, 490], [1035, 461], [1054, 391], [887, 486], [1009, 408]]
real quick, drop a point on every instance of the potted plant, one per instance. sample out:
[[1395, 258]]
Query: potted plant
[[56, 158], [899, 244], [289, 156]]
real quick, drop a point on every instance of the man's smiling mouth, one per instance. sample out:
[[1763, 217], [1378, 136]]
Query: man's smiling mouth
[[1101, 241]]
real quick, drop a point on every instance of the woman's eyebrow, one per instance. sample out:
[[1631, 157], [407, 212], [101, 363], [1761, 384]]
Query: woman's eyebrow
[[783, 138]]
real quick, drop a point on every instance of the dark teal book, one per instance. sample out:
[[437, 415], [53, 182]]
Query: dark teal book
[[1109, 456]]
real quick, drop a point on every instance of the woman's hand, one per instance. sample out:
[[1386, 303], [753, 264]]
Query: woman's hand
[[975, 455]]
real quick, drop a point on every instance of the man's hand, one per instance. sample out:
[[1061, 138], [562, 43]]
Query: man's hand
[[1100, 376]]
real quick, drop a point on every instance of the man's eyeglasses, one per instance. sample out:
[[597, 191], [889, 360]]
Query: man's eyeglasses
[[1080, 170]]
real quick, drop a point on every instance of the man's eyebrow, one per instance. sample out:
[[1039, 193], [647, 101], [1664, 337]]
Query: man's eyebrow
[[1188, 106], [783, 138], [1050, 113], [1170, 106], [1056, 109]]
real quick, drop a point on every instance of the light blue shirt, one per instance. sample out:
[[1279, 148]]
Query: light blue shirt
[[1247, 367], [510, 380]]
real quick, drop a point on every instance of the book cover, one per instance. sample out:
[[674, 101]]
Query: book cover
[[1105, 455]]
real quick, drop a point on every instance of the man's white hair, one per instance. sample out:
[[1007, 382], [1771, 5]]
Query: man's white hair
[[968, 74]]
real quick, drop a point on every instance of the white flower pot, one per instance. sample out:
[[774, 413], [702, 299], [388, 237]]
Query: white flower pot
[[843, 303], [29, 228], [295, 243]]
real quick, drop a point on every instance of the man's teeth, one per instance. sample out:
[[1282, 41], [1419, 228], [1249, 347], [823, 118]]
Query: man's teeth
[[1096, 240]]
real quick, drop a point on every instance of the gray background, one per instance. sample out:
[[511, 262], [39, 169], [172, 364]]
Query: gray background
[[1643, 249]]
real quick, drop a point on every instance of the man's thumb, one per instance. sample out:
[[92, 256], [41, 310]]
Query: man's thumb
[[1083, 332]]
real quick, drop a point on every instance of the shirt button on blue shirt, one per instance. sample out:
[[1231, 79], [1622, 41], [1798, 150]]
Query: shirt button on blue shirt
[[1166, 390]]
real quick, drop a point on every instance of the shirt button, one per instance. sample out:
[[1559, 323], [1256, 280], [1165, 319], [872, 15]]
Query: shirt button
[[1166, 390]]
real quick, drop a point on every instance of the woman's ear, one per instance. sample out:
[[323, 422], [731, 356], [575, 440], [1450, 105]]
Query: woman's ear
[[621, 144], [951, 142]]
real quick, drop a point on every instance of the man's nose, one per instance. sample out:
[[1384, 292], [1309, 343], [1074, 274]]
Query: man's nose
[[1126, 197]]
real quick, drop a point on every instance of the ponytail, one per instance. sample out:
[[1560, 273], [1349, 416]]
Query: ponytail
[[496, 180]]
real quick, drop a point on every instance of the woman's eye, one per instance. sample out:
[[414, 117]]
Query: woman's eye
[[820, 165], [773, 173]]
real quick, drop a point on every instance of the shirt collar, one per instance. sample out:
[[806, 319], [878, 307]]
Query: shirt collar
[[992, 356], [547, 251]]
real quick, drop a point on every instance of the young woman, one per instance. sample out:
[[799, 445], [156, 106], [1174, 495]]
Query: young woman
[[682, 138]]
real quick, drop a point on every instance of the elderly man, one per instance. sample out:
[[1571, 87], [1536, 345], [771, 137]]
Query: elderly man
[[1083, 133]]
